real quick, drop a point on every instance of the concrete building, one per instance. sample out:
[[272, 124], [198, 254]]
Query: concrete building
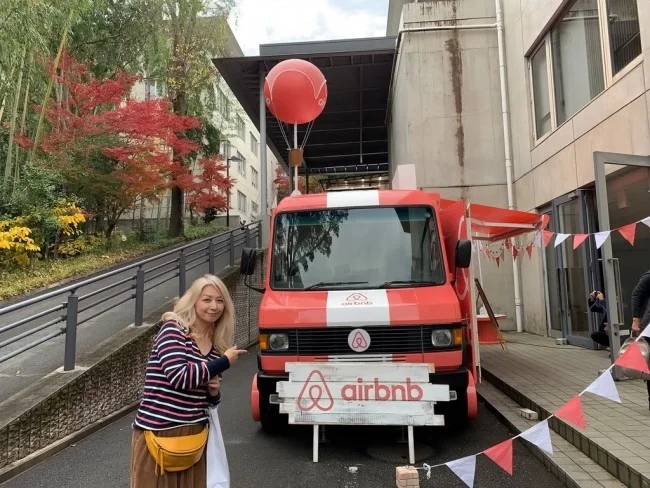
[[511, 103], [576, 83]]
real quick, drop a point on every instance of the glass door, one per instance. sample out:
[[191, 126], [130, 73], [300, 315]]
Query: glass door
[[576, 270], [552, 275], [628, 193]]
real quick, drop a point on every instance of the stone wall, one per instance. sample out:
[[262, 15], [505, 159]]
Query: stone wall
[[55, 411]]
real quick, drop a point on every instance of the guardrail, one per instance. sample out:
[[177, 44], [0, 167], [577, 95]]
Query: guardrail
[[98, 301]]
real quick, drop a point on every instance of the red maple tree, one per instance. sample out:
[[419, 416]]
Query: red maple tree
[[207, 191], [112, 149], [283, 183]]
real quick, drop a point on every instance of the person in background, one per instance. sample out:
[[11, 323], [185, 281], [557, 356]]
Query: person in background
[[641, 310], [597, 305], [183, 378]]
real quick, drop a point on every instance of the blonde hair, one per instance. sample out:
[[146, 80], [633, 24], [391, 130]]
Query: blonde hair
[[223, 334]]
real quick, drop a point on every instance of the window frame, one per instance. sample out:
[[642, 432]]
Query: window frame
[[606, 58]]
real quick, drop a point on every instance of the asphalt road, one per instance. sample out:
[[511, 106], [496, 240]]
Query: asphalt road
[[24, 369], [350, 457]]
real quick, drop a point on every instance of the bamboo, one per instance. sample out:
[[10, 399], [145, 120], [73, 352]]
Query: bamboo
[[12, 125], [48, 92]]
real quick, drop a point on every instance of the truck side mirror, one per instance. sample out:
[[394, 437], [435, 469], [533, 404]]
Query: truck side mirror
[[248, 261], [463, 253]]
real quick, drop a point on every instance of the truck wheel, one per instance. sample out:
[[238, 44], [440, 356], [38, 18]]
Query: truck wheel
[[273, 422]]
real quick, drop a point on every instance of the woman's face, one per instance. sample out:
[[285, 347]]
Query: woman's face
[[209, 307]]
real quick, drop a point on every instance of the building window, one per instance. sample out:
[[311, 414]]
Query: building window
[[254, 177], [624, 33], [577, 62], [255, 208], [241, 202], [223, 104], [241, 164], [567, 70], [254, 144], [241, 128], [539, 73]]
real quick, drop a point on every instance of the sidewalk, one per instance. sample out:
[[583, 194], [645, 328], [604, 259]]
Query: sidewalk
[[542, 376]]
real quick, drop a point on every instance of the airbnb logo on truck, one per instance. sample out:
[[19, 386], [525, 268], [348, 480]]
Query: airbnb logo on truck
[[316, 392]]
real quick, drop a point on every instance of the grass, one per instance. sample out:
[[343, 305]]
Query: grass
[[16, 282]]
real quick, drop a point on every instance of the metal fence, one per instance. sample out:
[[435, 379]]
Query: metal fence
[[114, 288]]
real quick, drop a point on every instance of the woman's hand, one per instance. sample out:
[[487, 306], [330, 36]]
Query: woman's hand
[[233, 354], [214, 386]]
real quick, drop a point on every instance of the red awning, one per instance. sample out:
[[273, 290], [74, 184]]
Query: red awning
[[495, 223]]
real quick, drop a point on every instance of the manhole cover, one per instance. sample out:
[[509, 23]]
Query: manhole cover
[[398, 452]]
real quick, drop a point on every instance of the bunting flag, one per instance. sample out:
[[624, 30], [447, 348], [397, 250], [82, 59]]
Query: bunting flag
[[498, 258], [508, 243], [501, 454], [579, 239], [515, 253], [464, 468], [601, 237], [572, 412], [628, 232], [548, 235], [560, 238], [633, 359], [529, 250], [646, 332], [605, 387], [646, 221], [540, 436], [538, 239]]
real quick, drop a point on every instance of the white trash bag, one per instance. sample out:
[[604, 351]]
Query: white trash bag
[[218, 471]]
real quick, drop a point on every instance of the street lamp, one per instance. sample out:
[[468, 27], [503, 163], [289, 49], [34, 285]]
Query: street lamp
[[236, 160]]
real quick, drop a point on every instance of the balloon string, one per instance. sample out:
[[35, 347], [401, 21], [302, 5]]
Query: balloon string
[[284, 134], [307, 133]]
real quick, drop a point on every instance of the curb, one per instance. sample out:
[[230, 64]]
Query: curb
[[568, 464], [33, 459], [619, 470]]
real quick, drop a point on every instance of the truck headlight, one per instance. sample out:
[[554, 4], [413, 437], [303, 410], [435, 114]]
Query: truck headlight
[[441, 337], [278, 342]]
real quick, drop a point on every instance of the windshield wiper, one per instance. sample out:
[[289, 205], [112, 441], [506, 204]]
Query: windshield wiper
[[321, 284], [389, 284]]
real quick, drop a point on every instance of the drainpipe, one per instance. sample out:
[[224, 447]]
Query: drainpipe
[[507, 147]]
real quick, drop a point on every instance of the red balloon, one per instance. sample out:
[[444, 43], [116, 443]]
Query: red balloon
[[295, 91]]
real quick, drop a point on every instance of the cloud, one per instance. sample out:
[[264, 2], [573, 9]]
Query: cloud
[[256, 22]]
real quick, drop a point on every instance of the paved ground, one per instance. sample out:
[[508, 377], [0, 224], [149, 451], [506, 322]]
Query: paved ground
[[22, 370], [550, 375], [257, 460]]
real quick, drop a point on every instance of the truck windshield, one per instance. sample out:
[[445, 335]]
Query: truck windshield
[[379, 247]]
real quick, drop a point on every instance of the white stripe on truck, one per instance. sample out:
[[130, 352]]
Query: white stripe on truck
[[354, 308], [355, 198]]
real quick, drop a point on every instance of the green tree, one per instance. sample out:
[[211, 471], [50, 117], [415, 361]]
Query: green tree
[[196, 31]]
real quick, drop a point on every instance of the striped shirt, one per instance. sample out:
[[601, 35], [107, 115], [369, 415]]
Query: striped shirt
[[175, 390]]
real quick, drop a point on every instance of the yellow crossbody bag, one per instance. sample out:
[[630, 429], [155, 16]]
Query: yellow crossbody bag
[[176, 453]]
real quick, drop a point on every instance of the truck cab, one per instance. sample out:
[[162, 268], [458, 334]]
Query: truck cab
[[366, 276]]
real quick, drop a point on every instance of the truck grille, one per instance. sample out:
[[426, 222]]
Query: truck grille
[[383, 340]]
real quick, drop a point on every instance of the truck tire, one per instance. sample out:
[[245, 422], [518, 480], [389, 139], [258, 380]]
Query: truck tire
[[273, 422]]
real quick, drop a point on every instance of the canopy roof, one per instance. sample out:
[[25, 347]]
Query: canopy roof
[[494, 223], [351, 135]]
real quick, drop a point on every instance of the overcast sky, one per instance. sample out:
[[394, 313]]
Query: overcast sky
[[258, 22]]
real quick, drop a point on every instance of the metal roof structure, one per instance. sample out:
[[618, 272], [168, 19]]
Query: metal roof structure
[[351, 134]]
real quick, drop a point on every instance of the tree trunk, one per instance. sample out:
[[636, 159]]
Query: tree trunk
[[12, 125], [176, 228]]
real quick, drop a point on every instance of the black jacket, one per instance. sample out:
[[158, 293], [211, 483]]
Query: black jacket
[[640, 298], [598, 306]]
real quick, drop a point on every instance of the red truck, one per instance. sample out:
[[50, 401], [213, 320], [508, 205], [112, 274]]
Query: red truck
[[371, 276]]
